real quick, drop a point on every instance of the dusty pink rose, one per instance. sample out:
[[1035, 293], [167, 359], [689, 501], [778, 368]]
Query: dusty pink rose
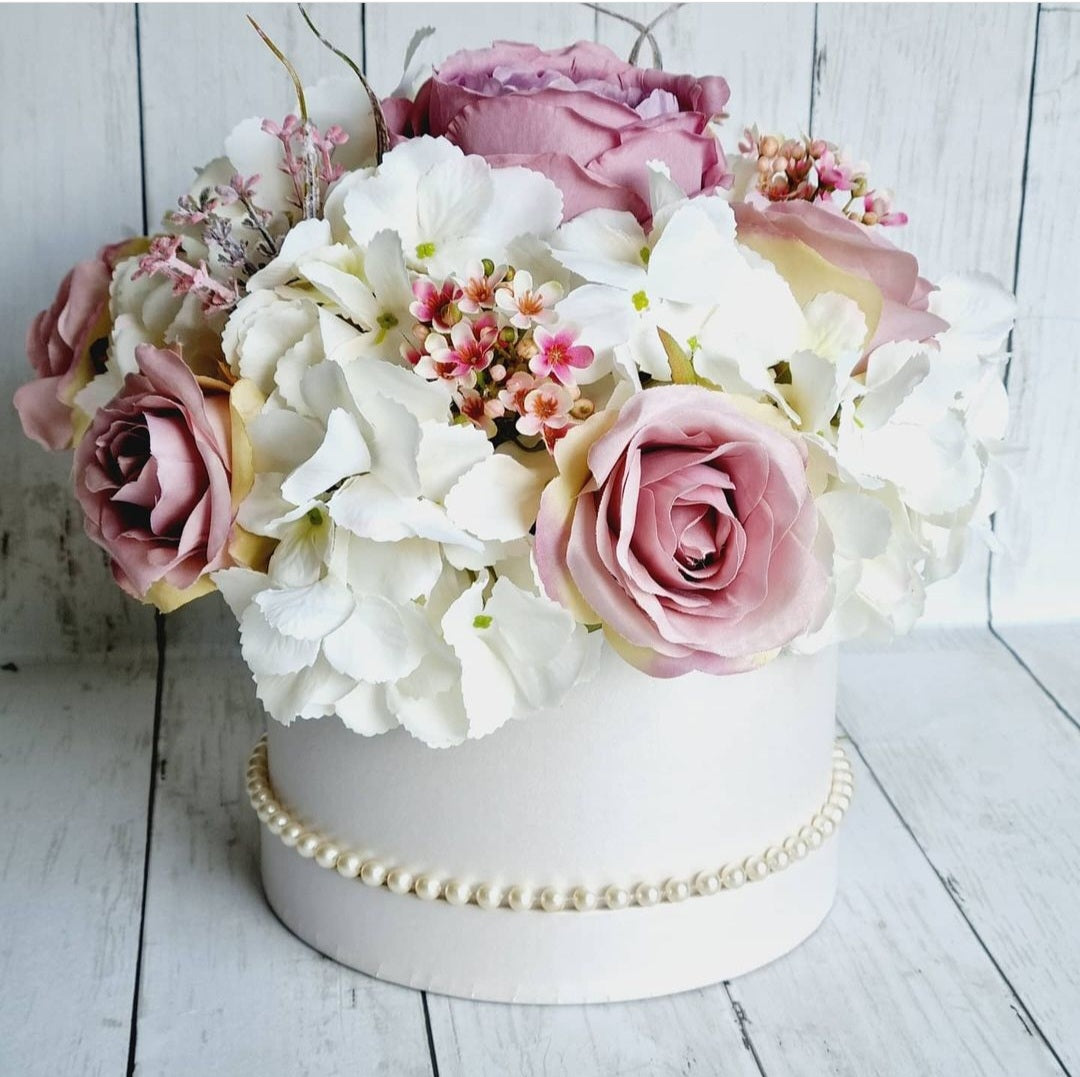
[[152, 474], [58, 344], [686, 528], [856, 249], [580, 115]]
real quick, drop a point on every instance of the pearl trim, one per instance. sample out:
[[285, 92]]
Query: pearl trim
[[376, 872]]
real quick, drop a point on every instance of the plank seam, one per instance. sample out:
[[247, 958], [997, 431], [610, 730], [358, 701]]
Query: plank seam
[[1016, 278], [159, 691], [430, 1035], [1059, 706], [814, 73], [1023, 1013], [142, 119], [743, 1021]]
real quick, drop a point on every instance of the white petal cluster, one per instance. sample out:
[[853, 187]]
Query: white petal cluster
[[401, 590]]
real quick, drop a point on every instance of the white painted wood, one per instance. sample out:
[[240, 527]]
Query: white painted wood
[[74, 773], [70, 184], [390, 26], [185, 130], [225, 988], [983, 768], [935, 97], [894, 982], [1051, 652], [1037, 579], [689, 1033], [228, 75], [765, 51]]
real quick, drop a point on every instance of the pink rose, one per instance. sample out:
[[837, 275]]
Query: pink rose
[[579, 115], [59, 344], [901, 311], [152, 474], [686, 528]]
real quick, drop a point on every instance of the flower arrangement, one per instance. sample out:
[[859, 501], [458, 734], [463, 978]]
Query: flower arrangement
[[447, 392]]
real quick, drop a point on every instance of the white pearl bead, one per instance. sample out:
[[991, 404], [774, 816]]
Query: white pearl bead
[[399, 880], [776, 859], [307, 844], [732, 877], [520, 898], [291, 834], [373, 873], [707, 882], [756, 869], [277, 823], [349, 865], [840, 802], [457, 892], [552, 900], [796, 848], [427, 887], [260, 798], [253, 784], [676, 890], [646, 894], [616, 897], [833, 812], [838, 752], [326, 855], [266, 809], [488, 896], [811, 836], [584, 899], [823, 825], [841, 766]]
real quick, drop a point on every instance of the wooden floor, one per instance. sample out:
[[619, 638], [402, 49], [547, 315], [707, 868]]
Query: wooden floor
[[134, 937]]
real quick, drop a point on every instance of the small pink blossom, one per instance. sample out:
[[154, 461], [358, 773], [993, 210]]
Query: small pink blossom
[[164, 259], [518, 386], [478, 291], [878, 210], [529, 306], [437, 304], [833, 173], [559, 356], [480, 412], [547, 407], [470, 349]]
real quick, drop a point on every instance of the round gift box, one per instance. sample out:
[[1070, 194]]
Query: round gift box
[[650, 836]]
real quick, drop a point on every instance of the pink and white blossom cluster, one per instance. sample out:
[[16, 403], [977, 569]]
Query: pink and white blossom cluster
[[552, 373]]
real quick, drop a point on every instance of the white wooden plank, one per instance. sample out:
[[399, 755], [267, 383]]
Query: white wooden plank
[[75, 744], [894, 982], [71, 182], [935, 97], [765, 51], [233, 75], [184, 130], [689, 1033], [984, 769], [389, 28], [225, 988], [1050, 651], [1037, 577]]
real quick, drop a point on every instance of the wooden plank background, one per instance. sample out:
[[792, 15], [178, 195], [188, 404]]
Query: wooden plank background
[[963, 109]]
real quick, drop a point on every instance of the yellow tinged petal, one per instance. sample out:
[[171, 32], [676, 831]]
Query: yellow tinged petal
[[245, 402], [168, 598], [809, 275]]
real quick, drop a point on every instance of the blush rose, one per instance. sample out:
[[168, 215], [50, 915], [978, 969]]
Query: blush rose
[[152, 474], [889, 289], [686, 528], [580, 115], [59, 343]]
